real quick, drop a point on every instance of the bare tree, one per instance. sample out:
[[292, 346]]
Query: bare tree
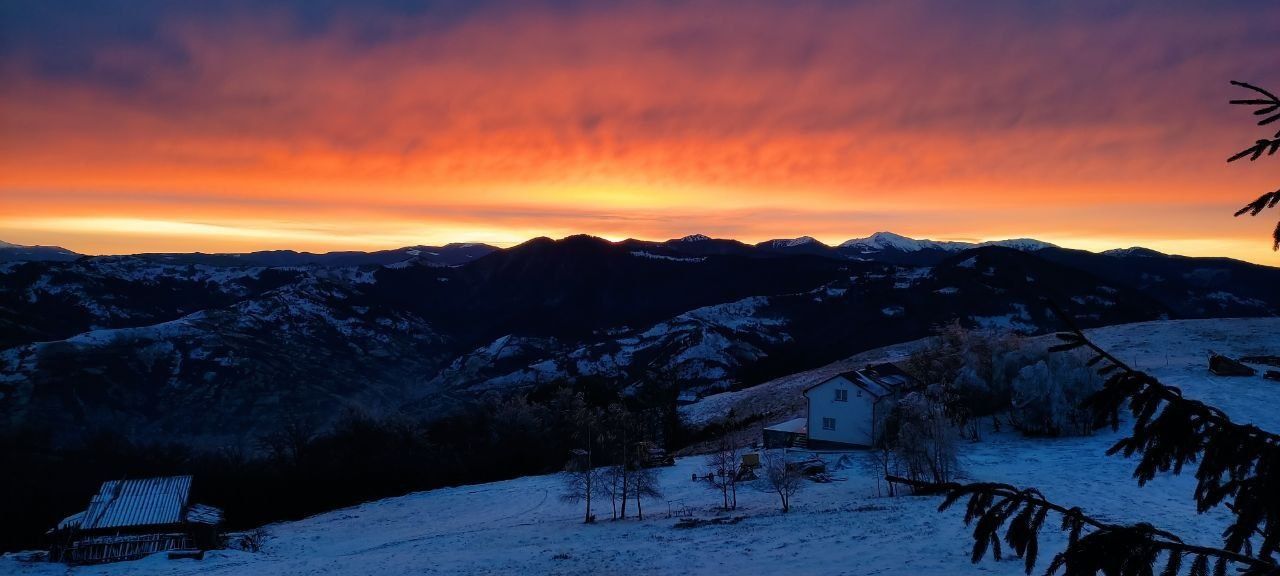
[[581, 477], [580, 481], [780, 476], [644, 484], [619, 424], [611, 485], [724, 465], [288, 444], [925, 440], [887, 460]]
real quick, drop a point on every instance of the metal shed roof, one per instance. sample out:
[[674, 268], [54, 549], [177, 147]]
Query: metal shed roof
[[141, 502], [794, 426]]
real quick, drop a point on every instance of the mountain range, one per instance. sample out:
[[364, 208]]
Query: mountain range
[[218, 349]]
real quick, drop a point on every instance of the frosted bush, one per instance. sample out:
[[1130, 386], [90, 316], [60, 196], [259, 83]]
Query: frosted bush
[[1047, 396]]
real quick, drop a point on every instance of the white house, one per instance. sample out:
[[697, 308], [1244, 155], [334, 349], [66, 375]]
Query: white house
[[846, 409]]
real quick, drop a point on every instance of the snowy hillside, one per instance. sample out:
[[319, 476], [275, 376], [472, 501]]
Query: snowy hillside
[[838, 528], [881, 241], [1174, 350], [891, 241]]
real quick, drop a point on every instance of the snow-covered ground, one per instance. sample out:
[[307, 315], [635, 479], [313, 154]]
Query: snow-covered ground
[[844, 527]]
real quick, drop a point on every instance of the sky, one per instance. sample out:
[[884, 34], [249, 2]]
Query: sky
[[320, 125]]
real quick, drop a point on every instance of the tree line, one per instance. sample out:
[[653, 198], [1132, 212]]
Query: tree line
[[303, 469]]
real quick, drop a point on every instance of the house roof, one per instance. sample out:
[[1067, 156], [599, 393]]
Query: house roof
[[879, 380], [203, 514], [71, 521], [890, 375], [138, 502]]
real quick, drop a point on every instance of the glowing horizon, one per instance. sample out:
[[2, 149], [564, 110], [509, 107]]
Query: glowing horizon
[[227, 127]]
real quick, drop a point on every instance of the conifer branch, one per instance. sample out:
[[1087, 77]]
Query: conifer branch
[[1268, 200], [1107, 548], [1268, 107], [1268, 146], [1237, 465]]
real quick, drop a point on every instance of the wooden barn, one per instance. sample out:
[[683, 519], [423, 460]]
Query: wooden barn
[[129, 519]]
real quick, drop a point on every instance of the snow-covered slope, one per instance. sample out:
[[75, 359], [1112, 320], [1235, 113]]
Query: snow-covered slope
[[218, 375], [1171, 349], [844, 527], [891, 241], [1134, 251], [881, 241], [801, 245], [704, 347]]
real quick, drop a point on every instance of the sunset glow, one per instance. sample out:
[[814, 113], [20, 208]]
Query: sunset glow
[[177, 127]]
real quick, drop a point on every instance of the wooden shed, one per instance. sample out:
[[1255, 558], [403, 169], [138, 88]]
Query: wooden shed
[[129, 519]]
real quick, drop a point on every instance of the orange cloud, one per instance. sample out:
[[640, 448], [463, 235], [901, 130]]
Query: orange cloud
[[744, 119]]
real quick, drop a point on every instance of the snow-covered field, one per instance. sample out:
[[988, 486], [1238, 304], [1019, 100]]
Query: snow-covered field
[[520, 526]]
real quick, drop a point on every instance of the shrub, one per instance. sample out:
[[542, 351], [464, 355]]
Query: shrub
[[1047, 396], [251, 541]]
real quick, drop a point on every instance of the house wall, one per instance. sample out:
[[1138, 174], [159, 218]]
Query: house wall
[[779, 439], [89, 549], [854, 418]]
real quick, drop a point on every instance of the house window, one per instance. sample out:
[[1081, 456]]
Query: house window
[[842, 395], [828, 423]]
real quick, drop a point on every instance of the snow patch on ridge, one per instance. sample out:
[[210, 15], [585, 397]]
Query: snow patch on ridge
[[652, 256], [890, 241]]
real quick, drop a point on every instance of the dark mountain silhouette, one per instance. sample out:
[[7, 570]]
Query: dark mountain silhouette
[[16, 253], [205, 349]]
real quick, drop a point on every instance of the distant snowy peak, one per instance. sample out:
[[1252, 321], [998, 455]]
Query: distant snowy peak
[[794, 242], [695, 238], [890, 241], [1024, 244], [1136, 251]]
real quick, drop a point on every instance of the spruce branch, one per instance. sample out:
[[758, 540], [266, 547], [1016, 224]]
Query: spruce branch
[[1269, 104], [1260, 146], [1268, 200], [1268, 107], [1237, 465], [1093, 545]]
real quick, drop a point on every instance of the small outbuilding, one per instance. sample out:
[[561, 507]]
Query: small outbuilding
[[129, 519], [789, 434], [1226, 366]]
